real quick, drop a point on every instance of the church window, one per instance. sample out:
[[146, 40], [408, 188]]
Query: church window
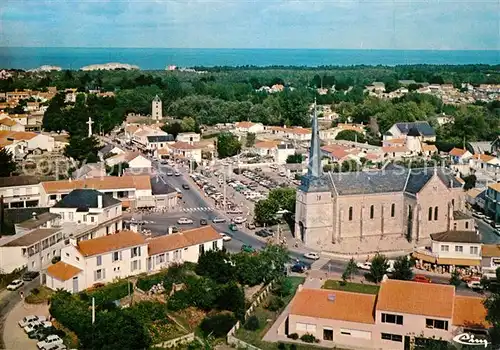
[[350, 213], [393, 210], [372, 210], [430, 214], [435, 213]]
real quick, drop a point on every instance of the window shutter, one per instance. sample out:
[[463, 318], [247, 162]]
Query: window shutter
[[131, 266], [138, 264], [103, 274], [95, 275]]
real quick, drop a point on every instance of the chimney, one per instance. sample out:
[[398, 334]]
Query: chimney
[[99, 201], [35, 217]]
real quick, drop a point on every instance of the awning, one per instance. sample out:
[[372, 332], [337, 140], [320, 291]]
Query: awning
[[424, 257], [458, 262]]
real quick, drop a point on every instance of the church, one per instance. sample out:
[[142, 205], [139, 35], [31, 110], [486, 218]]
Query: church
[[375, 210]]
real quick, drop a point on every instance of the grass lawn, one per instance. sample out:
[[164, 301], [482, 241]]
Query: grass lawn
[[351, 287], [266, 320], [41, 297]]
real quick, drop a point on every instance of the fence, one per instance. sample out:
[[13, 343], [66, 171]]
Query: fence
[[231, 338], [175, 342]]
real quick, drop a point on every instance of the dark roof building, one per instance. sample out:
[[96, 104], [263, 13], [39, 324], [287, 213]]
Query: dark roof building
[[422, 127], [84, 199], [161, 138], [457, 237]]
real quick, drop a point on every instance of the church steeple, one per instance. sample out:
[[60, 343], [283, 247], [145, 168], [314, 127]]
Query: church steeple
[[314, 166]]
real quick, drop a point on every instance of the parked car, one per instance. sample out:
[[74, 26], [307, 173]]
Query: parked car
[[170, 173], [475, 284], [30, 275], [185, 186], [49, 341], [299, 267], [422, 279], [250, 226], [203, 222], [31, 318], [177, 173], [226, 236], [35, 325], [239, 220], [235, 211], [247, 248], [184, 221], [312, 256], [174, 229], [15, 284], [56, 347], [263, 233], [364, 265], [233, 227], [218, 220]]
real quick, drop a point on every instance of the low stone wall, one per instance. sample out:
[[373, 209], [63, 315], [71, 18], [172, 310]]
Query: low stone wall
[[175, 342], [231, 338]]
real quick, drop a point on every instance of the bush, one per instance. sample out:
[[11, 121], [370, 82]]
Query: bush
[[252, 324], [309, 338], [110, 292], [281, 346], [179, 301], [275, 304], [293, 347], [145, 283], [293, 336], [218, 325], [35, 291]]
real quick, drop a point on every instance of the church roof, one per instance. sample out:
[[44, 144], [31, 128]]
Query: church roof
[[423, 128], [414, 132]]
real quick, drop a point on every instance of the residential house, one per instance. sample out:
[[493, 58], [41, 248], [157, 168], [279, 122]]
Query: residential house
[[21, 191], [459, 156], [89, 170], [109, 150], [402, 313], [157, 142], [400, 130], [184, 150], [490, 256], [484, 161], [293, 133], [188, 137], [135, 160], [266, 148], [7, 124], [479, 147], [492, 205], [29, 140], [283, 151], [246, 127], [396, 152]]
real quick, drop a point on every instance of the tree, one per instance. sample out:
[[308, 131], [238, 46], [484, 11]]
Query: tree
[[218, 325], [402, 269], [7, 164], [172, 129], [455, 278], [250, 141], [118, 169], [227, 145], [350, 269], [294, 158], [232, 298], [379, 267], [285, 197], [188, 124], [470, 182], [351, 135], [82, 149], [217, 265], [265, 211]]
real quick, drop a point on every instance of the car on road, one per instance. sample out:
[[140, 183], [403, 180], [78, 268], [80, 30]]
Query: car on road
[[184, 221], [247, 248], [263, 233], [226, 237], [311, 256], [218, 220], [203, 222], [49, 341], [30, 275], [177, 173], [239, 220], [174, 229], [15, 284], [250, 226], [422, 279], [235, 211], [28, 319], [299, 267], [475, 285], [185, 186], [233, 227], [364, 265], [170, 173]]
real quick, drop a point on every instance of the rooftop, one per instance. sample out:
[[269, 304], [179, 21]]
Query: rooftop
[[84, 199], [140, 182], [62, 271], [32, 237], [490, 251], [469, 312], [183, 239], [38, 220], [23, 180], [457, 237], [161, 138], [328, 304], [422, 127], [120, 240], [413, 298]]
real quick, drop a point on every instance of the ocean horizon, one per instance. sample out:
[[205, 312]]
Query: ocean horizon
[[159, 58]]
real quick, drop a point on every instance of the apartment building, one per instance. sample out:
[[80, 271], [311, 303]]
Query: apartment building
[[188, 137], [403, 315], [127, 253], [21, 191], [184, 150], [492, 205]]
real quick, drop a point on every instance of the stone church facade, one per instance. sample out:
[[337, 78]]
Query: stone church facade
[[401, 206]]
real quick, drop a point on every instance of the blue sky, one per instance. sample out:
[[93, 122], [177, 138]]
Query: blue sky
[[375, 24]]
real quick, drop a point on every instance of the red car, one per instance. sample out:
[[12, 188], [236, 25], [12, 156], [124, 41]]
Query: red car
[[421, 279]]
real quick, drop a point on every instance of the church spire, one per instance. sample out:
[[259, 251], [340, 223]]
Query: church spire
[[314, 167]]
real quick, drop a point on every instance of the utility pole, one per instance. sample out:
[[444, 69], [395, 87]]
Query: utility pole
[[224, 188], [93, 310]]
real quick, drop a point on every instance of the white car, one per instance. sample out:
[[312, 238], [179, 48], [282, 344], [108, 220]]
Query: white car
[[56, 347], [170, 173], [177, 173], [239, 220], [15, 284], [49, 341], [225, 237], [312, 256], [364, 265], [31, 318], [33, 326], [184, 221]]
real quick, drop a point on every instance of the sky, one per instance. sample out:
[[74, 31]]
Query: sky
[[341, 24]]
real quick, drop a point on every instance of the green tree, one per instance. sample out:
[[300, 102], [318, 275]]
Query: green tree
[[82, 149], [455, 278], [273, 259], [217, 265], [350, 269], [402, 269], [470, 182], [7, 164], [172, 129], [232, 298], [351, 135], [379, 267], [118, 169], [265, 211], [285, 197], [294, 158], [188, 124], [250, 269], [227, 145], [250, 140]]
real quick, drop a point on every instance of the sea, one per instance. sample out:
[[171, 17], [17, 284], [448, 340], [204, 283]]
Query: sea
[[159, 58]]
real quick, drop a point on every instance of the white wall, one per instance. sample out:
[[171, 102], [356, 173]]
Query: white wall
[[140, 162], [451, 253], [11, 258], [43, 142]]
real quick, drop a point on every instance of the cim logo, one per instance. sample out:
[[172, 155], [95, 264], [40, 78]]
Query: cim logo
[[469, 339]]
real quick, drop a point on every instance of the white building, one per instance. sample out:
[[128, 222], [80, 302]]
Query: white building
[[29, 140], [20, 191], [246, 127], [124, 254], [188, 137], [156, 109], [135, 160], [183, 150]]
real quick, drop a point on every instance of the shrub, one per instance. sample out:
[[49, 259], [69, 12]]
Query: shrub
[[252, 324], [309, 338], [110, 292], [275, 304], [284, 288], [281, 346], [179, 301], [293, 336], [293, 347], [145, 283], [35, 291], [218, 325]]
